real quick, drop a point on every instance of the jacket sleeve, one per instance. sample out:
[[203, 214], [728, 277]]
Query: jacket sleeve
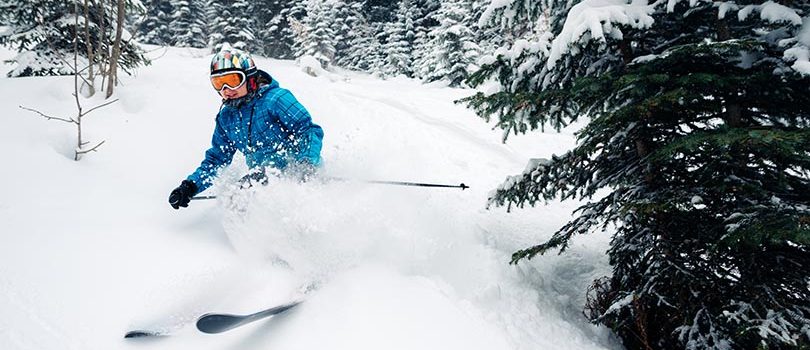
[[219, 155], [307, 137]]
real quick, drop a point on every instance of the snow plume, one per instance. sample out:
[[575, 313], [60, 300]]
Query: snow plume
[[325, 227], [327, 232]]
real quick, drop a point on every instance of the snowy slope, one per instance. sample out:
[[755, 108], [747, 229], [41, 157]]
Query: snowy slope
[[91, 249]]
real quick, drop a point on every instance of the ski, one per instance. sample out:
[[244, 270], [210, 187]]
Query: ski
[[213, 323], [144, 334]]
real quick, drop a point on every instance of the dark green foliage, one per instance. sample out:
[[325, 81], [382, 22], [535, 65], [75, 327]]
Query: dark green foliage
[[231, 21], [696, 156], [188, 24], [153, 28], [273, 34], [42, 31], [39, 32]]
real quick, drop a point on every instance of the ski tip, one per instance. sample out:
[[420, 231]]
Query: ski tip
[[143, 334], [218, 323], [213, 323]]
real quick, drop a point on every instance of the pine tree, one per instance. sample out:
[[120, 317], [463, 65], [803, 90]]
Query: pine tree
[[363, 52], [187, 28], [424, 22], [42, 31], [487, 38], [275, 39], [695, 154], [342, 17], [452, 51], [379, 11], [153, 27], [31, 24], [231, 22], [399, 39], [317, 37]]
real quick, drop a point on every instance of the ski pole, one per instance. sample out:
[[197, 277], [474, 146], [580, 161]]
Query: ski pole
[[462, 186]]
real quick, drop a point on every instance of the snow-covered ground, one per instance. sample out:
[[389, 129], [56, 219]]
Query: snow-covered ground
[[91, 249]]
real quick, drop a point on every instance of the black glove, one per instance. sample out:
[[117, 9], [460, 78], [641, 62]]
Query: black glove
[[255, 177], [182, 194]]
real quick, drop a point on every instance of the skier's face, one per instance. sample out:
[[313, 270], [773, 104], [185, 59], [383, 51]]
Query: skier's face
[[229, 94]]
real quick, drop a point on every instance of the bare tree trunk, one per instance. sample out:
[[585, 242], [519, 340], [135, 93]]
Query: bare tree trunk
[[116, 49], [90, 51], [102, 43], [79, 143]]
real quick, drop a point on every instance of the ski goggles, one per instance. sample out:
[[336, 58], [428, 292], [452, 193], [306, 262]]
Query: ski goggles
[[231, 79]]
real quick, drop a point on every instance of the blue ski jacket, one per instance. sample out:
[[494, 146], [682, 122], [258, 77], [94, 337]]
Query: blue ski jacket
[[271, 128]]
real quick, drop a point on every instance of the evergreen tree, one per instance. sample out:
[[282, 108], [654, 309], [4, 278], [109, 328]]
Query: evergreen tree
[[231, 22], [425, 21], [188, 24], [296, 16], [31, 24], [349, 27], [399, 39], [695, 152], [452, 51], [487, 38], [380, 11], [153, 27], [273, 28], [42, 31], [317, 37], [364, 52]]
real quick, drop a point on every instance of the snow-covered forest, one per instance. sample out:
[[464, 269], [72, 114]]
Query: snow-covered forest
[[425, 39], [662, 148]]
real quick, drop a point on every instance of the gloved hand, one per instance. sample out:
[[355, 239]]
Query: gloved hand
[[181, 195], [255, 177]]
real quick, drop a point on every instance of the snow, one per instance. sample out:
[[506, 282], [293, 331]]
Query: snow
[[772, 12], [91, 249], [493, 6], [310, 65], [599, 20], [800, 53], [724, 7], [645, 59], [593, 20]]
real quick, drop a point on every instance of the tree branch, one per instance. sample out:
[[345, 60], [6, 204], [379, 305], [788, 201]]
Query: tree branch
[[80, 151], [99, 106], [49, 117]]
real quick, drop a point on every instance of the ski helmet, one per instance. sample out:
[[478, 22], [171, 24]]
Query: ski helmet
[[229, 58]]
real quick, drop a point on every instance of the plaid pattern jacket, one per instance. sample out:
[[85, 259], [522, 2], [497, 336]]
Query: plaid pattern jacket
[[271, 128]]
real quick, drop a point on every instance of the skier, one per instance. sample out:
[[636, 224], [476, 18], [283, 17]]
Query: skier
[[258, 118]]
